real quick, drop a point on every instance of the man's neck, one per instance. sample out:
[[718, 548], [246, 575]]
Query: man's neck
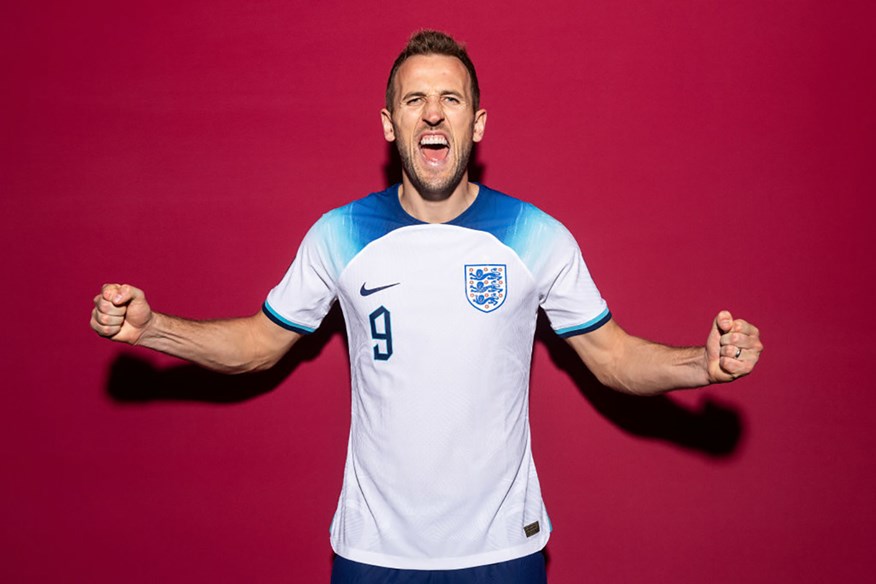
[[440, 211]]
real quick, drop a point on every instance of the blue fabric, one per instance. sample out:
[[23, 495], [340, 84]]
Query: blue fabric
[[586, 327], [286, 324], [527, 570], [513, 222]]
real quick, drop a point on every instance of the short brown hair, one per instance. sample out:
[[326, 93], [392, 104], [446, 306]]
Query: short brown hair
[[433, 42]]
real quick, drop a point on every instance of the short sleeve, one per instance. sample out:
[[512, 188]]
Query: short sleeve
[[567, 292], [306, 293]]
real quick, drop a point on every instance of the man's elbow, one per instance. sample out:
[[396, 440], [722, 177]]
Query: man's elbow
[[264, 363], [612, 375], [616, 382], [260, 362], [250, 363], [263, 350]]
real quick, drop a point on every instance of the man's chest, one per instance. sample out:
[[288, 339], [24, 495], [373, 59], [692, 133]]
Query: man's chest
[[436, 282]]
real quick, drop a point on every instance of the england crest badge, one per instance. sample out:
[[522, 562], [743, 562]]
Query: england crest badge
[[486, 285]]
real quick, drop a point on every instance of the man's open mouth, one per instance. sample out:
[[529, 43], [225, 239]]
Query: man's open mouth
[[434, 147]]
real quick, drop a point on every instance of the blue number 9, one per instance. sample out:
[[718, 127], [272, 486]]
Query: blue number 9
[[385, 337]]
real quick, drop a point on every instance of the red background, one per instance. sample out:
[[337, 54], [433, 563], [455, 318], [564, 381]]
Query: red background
[[705, 154]]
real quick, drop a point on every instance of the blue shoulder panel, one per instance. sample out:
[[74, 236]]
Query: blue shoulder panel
[[519, 225], [345, 231]]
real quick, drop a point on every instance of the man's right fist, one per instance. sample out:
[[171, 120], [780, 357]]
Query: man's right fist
[[120, 313]]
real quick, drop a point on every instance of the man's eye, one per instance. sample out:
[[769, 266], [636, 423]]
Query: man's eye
[[451, 99], [414, 100]]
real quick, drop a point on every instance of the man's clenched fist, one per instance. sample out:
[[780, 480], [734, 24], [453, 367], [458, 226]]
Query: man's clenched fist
[[120, 313]]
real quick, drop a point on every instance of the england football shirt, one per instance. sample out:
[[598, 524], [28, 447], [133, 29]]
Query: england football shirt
[[440, 322]]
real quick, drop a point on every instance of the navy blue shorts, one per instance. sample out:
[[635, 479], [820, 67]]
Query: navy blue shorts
[[527, 570]]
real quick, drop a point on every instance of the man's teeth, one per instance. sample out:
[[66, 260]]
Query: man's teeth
[[433, 141]]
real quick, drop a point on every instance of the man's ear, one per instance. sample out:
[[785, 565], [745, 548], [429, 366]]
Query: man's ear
[[386, 120], [480, 122]]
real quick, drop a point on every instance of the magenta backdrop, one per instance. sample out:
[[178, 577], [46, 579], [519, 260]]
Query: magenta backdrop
[[705, 154]]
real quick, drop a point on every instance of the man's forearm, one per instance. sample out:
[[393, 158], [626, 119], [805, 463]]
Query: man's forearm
[[227, 346], [641, 367], [647, 368], [633, 365]]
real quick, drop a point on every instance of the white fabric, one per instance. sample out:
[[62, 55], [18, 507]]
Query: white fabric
[[439, 471]]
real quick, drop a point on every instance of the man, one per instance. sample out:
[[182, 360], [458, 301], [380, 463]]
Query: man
[[440, 281]]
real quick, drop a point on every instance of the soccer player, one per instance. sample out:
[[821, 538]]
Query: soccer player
[[440, 281]]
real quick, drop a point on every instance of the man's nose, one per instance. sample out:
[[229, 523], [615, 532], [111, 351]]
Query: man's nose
[[433, 113]]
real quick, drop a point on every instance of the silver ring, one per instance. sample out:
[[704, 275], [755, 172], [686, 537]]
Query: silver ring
[[738, 352]]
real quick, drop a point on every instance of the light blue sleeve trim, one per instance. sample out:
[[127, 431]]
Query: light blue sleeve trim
[[285, 322], [590, 325]]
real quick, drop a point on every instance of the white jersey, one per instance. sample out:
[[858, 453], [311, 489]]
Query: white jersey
[[440, 323]]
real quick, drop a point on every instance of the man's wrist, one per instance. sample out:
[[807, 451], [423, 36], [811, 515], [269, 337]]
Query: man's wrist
[[149, 330]]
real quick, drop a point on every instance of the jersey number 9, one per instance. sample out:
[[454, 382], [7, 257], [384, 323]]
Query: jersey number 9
[[383, 347]]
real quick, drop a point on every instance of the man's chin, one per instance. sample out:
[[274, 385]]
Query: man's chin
[[438, 188], [431, 185], [436, 191]]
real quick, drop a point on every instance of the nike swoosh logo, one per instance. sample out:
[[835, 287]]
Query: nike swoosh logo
[[369, 291]]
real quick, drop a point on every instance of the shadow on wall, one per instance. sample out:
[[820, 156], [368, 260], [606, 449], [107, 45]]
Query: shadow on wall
[[134, 379], [714, 430]]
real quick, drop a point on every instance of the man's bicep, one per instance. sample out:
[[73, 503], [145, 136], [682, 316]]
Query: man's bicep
[[600, 349], [273, 340]]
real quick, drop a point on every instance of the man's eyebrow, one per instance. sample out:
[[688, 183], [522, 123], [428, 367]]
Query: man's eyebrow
[[411, 94], [442, 92]]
